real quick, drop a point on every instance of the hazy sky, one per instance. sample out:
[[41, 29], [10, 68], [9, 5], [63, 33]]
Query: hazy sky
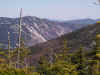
[[52, 9]]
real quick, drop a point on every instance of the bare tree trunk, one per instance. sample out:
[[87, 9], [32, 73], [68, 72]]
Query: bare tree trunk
[[19, 38], [9, 50]]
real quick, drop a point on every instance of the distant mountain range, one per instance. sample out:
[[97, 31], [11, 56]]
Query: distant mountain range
[[84, 37], [36, 30]]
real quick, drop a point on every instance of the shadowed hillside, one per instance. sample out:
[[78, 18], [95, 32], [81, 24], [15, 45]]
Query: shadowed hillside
[[84, 37]]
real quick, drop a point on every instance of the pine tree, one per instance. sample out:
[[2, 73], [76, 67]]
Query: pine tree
[[82, 62], [98, 53], [95, 61], [98, 46]]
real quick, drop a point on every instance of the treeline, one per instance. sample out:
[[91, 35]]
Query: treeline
[[53, 63]]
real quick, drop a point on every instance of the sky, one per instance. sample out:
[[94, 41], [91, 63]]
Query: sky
[[51, 9]]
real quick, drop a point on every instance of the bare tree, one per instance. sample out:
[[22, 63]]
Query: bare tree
[[19, 38], [9, 49]]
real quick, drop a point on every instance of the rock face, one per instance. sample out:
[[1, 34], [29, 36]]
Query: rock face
[[82, 37], [36, 30]]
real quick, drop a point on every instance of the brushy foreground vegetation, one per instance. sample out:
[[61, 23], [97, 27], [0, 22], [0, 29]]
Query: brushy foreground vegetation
[[57, 63]]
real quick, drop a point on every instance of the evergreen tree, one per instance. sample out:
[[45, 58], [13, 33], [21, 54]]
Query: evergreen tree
[[80, 59]]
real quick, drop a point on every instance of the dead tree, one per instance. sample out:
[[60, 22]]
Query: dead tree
[[19, 38]]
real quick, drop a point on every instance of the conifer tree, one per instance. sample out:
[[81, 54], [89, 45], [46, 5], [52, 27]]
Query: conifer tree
[[81, 61], [98, 46], [95, 61], [98, 53]]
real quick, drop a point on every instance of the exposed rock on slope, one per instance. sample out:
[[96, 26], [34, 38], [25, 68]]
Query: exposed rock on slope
[[36, 30]]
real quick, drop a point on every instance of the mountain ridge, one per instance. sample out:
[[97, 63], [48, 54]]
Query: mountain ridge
[[84, 37], [34, 30]]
